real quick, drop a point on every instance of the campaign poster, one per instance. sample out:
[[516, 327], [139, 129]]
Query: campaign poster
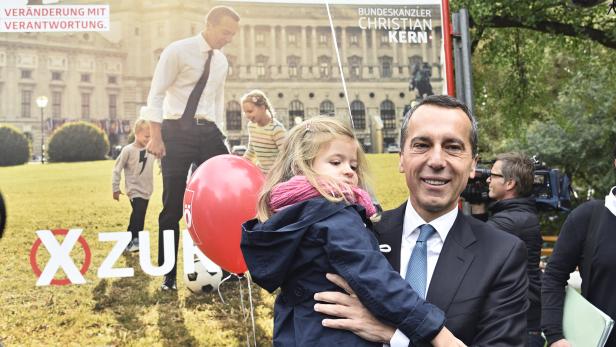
[[362, 62]]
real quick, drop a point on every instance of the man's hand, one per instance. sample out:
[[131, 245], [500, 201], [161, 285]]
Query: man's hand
[[354, 317], [116, 195], [156, 146], [561, 343]]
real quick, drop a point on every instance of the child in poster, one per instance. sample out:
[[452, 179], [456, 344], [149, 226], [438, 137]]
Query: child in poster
[[266, 133], [137, 165]]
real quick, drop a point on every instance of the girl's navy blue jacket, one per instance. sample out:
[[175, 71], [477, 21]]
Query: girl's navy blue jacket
[[297, 246]]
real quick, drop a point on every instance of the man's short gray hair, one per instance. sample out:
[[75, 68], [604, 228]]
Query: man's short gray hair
[[519, 168], [444, 101]]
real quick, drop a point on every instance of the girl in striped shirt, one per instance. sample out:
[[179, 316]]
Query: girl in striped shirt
[[265, 133]]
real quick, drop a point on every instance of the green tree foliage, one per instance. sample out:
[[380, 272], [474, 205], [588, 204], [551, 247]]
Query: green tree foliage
[[559, 17], [582, 132], [544, 81], [14, 146], [78, 141]]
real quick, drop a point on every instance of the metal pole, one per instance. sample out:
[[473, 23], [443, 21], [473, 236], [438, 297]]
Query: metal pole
[[467, 70], [462, 55], [457, 56], [42, 138], [447, 33]]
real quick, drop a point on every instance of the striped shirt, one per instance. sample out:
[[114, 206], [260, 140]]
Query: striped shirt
[[264, 143]]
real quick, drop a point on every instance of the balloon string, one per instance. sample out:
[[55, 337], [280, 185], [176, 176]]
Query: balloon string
[[252, 311], [239, 282], [221, 282], [344, 86]]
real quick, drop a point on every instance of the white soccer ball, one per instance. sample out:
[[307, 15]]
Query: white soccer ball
[[203, 280]]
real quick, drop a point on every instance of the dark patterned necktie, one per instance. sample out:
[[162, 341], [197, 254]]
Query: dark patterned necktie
[[195, 95]]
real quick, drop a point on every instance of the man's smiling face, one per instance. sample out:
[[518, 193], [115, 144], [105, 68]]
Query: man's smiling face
[[437, 159]]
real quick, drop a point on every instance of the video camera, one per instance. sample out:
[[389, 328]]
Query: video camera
[[551, 188], [477, 189]]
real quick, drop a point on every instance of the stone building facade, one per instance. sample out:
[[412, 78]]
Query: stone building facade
[[286, 50]]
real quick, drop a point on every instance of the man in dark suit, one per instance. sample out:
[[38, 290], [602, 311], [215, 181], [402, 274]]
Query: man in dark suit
[[475, 273]]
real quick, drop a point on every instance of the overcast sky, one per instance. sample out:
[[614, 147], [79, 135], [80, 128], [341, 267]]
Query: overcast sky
[[17, 3], [13, 3]]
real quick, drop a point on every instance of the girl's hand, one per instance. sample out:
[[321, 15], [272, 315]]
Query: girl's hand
[[446, 339]]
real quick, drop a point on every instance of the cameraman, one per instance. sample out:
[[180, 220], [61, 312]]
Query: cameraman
[[514, 211]]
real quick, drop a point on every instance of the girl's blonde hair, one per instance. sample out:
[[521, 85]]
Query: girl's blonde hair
[[299, 150], [259, 98]]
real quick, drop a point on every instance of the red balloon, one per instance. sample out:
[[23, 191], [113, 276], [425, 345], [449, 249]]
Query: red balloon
[[221, 195]]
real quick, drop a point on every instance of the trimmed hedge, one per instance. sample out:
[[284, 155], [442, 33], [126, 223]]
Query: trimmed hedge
[[14, 146], [77, 141]]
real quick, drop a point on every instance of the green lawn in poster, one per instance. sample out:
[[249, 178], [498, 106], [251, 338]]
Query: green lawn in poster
[[127, 311]]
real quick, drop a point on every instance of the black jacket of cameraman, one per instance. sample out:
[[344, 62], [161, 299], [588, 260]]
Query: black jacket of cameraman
[[518, 216]]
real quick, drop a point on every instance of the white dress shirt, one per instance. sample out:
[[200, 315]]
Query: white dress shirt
[[610, 201], [410, 233], [180, 66]]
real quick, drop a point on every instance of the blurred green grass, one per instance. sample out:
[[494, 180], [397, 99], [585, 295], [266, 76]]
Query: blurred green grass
[[127, 311]]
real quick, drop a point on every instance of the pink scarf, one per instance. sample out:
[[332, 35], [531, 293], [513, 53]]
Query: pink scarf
[[298, 189]]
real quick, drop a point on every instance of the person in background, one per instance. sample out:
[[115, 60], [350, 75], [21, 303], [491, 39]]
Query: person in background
[[514, 211], [587, 240], [265, 132], [137, 165]]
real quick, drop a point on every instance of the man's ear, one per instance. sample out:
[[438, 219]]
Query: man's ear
[[510, 185], [473, 167], [400, 163]]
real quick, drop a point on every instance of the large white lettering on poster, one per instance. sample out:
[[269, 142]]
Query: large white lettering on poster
[[60, 256]]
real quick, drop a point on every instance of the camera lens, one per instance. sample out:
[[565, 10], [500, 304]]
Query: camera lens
[[482, 172]]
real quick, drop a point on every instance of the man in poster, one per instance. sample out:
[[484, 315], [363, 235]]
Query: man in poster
[[185, 110]]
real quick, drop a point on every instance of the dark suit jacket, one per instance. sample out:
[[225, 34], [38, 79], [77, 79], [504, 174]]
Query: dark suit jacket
[[479, 281]]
